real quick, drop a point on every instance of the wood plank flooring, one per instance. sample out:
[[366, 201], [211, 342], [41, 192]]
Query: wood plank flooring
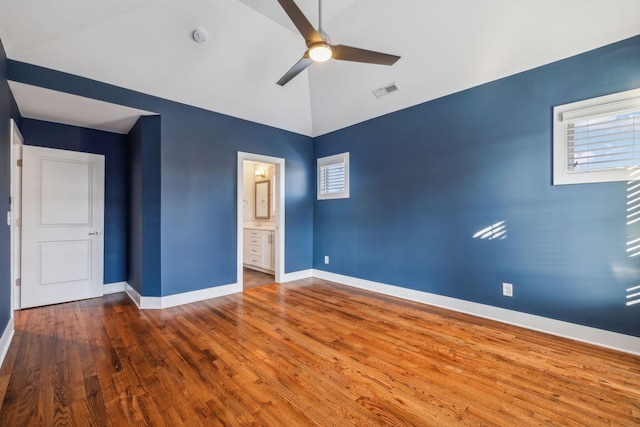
[[304, 353], [252, 278]]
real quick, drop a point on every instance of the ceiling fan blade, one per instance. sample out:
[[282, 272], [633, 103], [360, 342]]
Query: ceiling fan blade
[[300, 66], [348, 53], [301, 22]]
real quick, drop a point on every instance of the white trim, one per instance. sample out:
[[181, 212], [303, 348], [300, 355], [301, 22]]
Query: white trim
[[133, 294], [296, 275], [600, 107], [13, 130], [114, 288], [599, 337], [156, 303], [5, 340], [280, 216]]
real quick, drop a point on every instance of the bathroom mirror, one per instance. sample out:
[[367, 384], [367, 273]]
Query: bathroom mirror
[[263, 205]]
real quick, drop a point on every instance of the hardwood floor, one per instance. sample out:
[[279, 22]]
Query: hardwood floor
[[252, 278], [304, 353]]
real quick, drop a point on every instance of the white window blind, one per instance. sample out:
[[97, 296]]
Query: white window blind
[[598, 139], [333, 177]]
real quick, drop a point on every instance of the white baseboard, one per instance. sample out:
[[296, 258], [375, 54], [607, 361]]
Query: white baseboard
[[296, 275], [5, 340], [599, 337], [133, 294], [113, 288], [154, 303]]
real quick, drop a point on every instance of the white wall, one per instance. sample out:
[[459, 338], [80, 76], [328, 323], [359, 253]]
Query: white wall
[[248, 190], [249, 179]]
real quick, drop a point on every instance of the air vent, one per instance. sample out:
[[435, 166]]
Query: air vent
[[385, 90]]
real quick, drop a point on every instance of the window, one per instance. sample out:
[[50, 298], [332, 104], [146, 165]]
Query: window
[[333, 177], [597, 140]]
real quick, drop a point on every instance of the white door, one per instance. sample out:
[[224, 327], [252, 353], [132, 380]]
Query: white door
[[62, 223]]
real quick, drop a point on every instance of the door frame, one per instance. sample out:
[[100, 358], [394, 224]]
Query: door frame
[[15, 138], [280, 210]]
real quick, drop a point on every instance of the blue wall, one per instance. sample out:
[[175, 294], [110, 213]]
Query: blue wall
[[114, 147], [144, 207], [424, 180], [198, 172], [8, 109]]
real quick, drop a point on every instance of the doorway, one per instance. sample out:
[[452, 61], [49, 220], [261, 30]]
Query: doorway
[[260, 220]]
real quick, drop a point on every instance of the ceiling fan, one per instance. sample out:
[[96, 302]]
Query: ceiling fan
[[319, 47]]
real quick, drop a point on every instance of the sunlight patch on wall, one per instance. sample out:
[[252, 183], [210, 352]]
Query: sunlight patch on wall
[[633, 295], [633, 197], [633, 240], [497, 231], [633, 246]]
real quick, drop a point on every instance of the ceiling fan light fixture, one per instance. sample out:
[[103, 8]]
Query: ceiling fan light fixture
[[320, 48], [320, 52]]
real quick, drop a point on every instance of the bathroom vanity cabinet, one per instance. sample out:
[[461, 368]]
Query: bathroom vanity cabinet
[[258, 247]]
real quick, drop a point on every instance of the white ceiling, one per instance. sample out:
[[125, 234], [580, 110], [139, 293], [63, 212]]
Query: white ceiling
[[45, 104], [446, 46]]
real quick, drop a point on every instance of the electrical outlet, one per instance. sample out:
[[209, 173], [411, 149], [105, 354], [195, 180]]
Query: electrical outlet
[[507, 289], [326, 259]]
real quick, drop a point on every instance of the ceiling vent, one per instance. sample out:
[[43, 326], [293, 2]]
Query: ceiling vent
[[385, 90]]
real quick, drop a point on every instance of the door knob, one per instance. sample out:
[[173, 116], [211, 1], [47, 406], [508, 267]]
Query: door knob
[[95, 233]]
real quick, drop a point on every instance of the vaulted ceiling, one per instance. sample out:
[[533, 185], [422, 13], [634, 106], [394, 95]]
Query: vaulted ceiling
[[446, 46]]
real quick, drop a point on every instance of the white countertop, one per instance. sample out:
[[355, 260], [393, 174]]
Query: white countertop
[[261, 227]]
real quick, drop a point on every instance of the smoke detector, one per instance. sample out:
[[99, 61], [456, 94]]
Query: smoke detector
[[385, 90], [199, 35]]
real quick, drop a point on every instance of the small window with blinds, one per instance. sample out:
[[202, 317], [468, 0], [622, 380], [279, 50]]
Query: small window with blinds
[[597, 140], [333, 177]]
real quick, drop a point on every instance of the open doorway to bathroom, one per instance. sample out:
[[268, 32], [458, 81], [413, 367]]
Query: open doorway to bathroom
[[260, 220]]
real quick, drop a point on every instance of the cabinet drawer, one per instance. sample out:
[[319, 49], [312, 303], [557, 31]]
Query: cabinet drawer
[[255, 250], [253, 233], [254, 260], [255, 241]]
